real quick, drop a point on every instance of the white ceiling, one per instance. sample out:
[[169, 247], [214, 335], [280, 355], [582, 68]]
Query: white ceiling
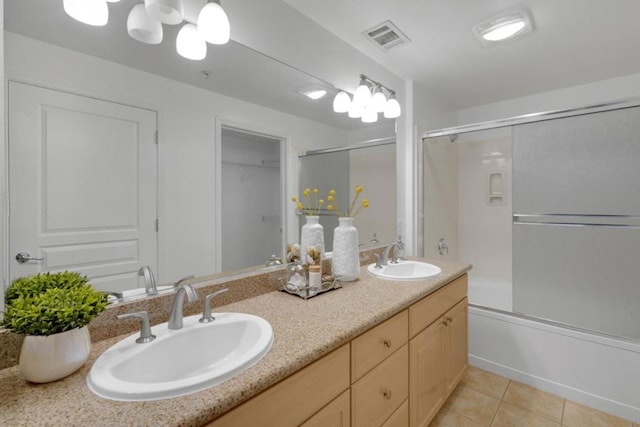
[[574, 42], [234, 69]]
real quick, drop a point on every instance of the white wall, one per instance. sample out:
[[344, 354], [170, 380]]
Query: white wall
[[374, 169], [572, 97], [186, 117]]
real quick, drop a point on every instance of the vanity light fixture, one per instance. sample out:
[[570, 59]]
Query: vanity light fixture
[[190, 44], [504, 27], [203, 21], [213, 23], [341, 102], [368, 100], [90, 12], [142, 27], [169, 12]]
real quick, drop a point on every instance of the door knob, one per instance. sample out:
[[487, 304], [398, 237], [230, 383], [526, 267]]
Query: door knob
[[23, 257]]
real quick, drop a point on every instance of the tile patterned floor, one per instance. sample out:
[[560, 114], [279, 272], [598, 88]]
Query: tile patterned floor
[[486, 399]]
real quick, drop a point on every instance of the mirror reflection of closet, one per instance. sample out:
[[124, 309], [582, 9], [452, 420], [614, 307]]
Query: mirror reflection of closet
[[370, 164], [251, 201]]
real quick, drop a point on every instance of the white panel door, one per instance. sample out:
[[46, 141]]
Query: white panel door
[[83, 186]]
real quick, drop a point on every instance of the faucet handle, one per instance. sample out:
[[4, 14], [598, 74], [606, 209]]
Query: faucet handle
[[206, 312], [145, 330]]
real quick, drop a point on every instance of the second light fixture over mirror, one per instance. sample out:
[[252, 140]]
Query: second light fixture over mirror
[[202, 22], [368, 100]]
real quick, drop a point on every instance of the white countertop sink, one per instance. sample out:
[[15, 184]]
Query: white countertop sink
[[183, 361], [405, 270]]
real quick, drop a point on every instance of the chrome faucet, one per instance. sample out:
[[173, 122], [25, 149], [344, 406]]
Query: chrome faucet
[[206, 311], [149, 281], [382, 259], [175, 317], [178, 283]]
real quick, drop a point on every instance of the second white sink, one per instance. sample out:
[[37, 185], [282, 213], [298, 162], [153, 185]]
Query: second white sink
[[183, 361], [405, 270]]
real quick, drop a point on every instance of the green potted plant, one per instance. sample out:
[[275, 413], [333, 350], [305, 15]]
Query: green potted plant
[[52, 310]]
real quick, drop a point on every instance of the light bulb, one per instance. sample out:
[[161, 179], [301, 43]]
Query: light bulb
[[369, 115], [142, 27], [362, 96], [189, 44], [392, 109], [503, 31], [378, 101], [213, 24], [355, 111], [90, 12], [166, 11], [341, 102]]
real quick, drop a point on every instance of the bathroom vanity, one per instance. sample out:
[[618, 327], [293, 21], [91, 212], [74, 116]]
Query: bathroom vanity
[[375, 352]]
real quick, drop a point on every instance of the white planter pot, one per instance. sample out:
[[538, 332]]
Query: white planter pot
[[345, 262], [48, 358], [312, 234]]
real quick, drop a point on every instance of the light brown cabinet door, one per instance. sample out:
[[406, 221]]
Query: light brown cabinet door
[[455, 344], [335, 414], [426, 374]]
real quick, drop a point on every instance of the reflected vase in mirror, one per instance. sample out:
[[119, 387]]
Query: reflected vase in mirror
[[345, 262], [312, 234]]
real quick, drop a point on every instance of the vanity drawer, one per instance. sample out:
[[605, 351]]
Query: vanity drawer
[[430, 308], [379, 393], [296, 398], [377, 344]]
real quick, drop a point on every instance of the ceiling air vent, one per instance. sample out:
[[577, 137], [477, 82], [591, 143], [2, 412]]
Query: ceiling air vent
[[386, 35]]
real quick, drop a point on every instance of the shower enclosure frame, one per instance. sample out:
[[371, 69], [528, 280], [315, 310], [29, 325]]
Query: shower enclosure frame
[[453, 133]]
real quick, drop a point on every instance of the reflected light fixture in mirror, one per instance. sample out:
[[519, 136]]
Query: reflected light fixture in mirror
[[368, 100], [90, 12], [204, 21], [341, 102]]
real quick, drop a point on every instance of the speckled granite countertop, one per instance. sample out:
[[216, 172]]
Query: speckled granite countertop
[[304, 331]]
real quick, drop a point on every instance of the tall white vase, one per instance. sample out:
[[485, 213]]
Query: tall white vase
[[48, 358], [312, 234], [345, 263]]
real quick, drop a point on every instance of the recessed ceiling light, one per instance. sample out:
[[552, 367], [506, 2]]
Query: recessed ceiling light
[[505, 27], [313, 92]]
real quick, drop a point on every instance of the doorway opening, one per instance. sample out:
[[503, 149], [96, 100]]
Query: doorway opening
[[251, 180]]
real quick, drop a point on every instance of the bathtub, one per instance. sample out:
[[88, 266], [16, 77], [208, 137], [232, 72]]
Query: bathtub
[[596, 370]]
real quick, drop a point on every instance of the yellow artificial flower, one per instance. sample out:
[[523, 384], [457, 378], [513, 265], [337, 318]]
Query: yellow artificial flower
[[321, 202], [294, 199], [330, 198], [299, 206], [329, 207], [358, 189], [315, 191], [365, 203], [332, 192]]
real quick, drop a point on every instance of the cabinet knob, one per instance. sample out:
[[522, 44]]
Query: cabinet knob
[[449, 319], [387, 343], [445, 322], [387, 394]]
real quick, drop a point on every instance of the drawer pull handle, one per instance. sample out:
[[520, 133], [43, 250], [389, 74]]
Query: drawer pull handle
[[449, 319], [387, 394], [445, 322], [387, 343]]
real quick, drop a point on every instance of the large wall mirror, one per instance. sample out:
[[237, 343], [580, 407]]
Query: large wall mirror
[[548, 213], [371, 165], [122, 148]]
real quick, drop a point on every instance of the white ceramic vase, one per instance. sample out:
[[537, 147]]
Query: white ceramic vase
[[345, 262], [48, 358], [312, 234]]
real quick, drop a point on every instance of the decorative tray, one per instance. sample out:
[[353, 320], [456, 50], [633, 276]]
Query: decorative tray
[[328, 283]]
